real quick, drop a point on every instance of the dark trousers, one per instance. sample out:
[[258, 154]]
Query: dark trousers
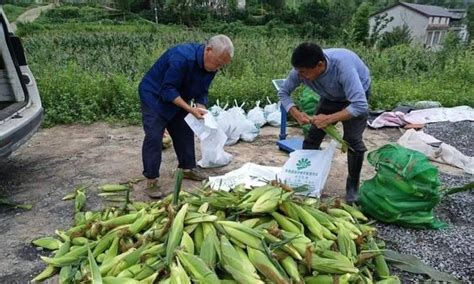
[[183, 141], [353, 128]]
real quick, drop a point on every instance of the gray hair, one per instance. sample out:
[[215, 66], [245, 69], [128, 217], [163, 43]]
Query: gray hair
[[221, 43]]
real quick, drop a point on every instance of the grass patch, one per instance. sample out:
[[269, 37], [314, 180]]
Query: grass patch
[[13, 11], [89, 72]]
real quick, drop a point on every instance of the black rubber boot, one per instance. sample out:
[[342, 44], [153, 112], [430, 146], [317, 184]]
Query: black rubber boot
[[354, 166]]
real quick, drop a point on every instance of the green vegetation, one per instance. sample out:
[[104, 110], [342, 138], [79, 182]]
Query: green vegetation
[[89, 71], [13, 11]]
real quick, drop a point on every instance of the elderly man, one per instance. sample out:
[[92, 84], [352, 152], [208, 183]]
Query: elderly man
[[180, 76], [342, 80]]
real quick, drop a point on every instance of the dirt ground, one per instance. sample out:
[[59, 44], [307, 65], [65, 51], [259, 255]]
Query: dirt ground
[[58, 159]]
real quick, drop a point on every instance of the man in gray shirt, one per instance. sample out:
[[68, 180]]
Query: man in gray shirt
[[342, 80]]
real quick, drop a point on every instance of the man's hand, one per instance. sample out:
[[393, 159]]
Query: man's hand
[[198, 112], [321, 120], [301, 117], [201, 106]]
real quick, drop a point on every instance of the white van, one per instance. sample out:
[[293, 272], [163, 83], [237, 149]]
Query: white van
[[21, 112]]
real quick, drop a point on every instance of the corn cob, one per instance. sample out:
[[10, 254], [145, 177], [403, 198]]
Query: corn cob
[[381, 266], [299, 241], [329, 265], [197, 268], [233, 264], [107, 266], [198, 238], [328, 279], [268, 201], [208, 250], [200, 218], [150, 269], [288, 248], [174, 237], [246, 263], [251, 222], [47, 243], [94, 269], [131, 271], [80, 241], [242, 233], [179, 275], [69, 196], [254, 194], [313, 225], [265, 266], [389, 280], [330, 254], [349, 225], [71, 257], [289, 210], [113, 187], [79, 200], [128, 260], [203, 208], [323, 218], [288, 224], [104, 243], [187, 243], [354, 212], [291, 268], [334, 134], [121, 220], [346, 245], [66, 274], [46, 273], [119, 280], [140, 223], [340, 213]]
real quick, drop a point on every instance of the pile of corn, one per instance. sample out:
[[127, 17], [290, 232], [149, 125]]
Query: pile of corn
[[266, 235]]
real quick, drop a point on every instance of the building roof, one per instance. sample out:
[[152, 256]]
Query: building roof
[[426, 10], [429, 10]]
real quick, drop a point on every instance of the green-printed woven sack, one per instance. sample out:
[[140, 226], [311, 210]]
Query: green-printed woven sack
[[405, 190]]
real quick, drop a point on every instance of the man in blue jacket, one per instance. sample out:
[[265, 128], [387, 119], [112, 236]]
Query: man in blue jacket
[[180, 76], [343, 81]]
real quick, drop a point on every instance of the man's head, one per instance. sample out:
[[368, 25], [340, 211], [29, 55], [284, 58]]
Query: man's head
[[218, 53], [308, 59]]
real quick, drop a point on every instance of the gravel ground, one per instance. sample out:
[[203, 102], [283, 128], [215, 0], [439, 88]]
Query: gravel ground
[[449, 250]]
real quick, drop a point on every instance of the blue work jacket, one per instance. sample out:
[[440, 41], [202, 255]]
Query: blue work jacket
[[178, 72]]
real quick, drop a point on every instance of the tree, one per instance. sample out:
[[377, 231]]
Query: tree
[[380, 23], [399, 35], [360, 24], [470, 22], [340, 14]]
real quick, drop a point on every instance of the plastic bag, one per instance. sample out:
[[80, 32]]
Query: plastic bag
[[270, 108], [240, 125], [405, 190], [308, 168], [274, 118], [225, 123], [217, 109], [248, 130], [256, 115], [212, 141]]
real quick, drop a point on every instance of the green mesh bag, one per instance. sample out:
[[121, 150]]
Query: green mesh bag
[[405, 190], [307, 103]]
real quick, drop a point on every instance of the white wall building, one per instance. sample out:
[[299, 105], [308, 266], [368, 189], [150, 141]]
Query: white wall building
[[428, 24]]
